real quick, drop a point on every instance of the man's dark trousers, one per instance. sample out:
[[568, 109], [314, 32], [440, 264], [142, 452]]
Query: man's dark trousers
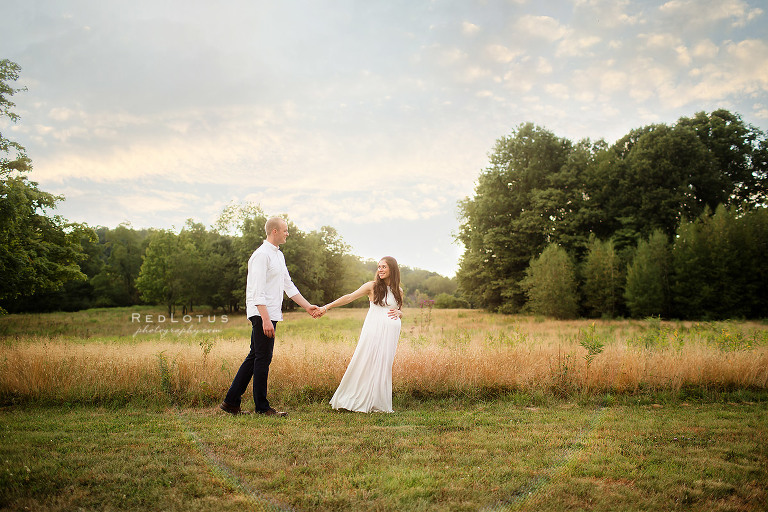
[[256, 365]]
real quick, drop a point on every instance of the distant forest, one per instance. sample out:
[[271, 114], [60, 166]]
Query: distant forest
[[670, 221], [201, 268]]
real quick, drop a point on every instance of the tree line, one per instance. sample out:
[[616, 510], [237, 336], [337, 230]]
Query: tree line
[[206, 268], [668, 221]]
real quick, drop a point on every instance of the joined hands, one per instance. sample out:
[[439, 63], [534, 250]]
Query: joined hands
[[317, 311]]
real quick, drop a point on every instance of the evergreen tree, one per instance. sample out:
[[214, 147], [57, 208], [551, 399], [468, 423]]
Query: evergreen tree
[[647, 288], [602, 279], [550, 284]]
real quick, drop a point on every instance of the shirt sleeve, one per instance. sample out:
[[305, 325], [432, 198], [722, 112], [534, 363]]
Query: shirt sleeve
[[288, 286], [257, 274]]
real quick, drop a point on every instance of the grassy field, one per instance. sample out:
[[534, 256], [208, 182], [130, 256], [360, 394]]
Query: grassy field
[[104, 410], [430, 455]]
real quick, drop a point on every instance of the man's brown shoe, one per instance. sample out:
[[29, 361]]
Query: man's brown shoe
[[272, 412], [231, 409]]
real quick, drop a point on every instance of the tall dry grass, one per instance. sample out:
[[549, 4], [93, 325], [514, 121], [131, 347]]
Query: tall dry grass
[[441, 352]]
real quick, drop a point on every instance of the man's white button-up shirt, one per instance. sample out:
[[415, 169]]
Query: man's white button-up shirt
[[267, 280]]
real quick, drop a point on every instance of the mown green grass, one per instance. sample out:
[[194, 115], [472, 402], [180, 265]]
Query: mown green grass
[[430, 455]]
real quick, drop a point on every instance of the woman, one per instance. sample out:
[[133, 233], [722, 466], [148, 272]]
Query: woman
[[367, 383]]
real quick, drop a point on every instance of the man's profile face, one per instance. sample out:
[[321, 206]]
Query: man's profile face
[[281, 233]]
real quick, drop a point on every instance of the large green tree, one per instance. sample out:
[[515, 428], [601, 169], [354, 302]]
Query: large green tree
[[161, 279], [121, 255], [39, 252], [336, 274], [649, 180], [740, 152], [224, 273], [13, 156], [511, 217]]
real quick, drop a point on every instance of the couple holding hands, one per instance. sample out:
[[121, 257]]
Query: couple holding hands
[[367, 383]]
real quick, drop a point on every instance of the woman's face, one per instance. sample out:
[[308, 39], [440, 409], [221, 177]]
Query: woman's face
[[383, 270]]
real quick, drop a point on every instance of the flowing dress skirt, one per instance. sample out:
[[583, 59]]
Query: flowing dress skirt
[[367, 383]]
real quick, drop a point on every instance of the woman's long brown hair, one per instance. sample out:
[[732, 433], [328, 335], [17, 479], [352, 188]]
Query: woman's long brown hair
[[380, 287]]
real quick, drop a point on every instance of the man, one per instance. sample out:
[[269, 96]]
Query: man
[[267, 280]]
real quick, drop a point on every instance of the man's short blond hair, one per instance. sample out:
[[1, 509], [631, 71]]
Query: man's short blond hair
[[273, 223]]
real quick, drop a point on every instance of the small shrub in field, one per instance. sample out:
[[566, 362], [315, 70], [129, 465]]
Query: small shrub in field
[[592, 342], [447, 301], [654, 335]]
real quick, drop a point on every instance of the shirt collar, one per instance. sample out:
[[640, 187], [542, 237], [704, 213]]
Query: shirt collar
[[271, 245]]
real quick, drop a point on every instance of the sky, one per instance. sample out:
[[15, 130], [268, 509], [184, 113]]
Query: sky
[[374, 117]]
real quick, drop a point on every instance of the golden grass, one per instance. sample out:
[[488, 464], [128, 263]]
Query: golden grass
[[454, 352]]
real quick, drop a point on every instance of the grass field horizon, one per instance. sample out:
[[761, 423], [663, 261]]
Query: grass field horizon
[[104, 410]]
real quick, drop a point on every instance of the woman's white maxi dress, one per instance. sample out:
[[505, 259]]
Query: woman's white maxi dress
[[367, 383]]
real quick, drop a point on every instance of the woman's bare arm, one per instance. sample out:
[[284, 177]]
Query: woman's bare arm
[[366, 289]]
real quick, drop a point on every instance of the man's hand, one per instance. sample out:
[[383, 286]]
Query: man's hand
[[266, 323], [315, 311], [269, 327]]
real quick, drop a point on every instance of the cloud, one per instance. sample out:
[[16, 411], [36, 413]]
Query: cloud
[[543, 66], [156, 201], [683, 55], [189, 146], [697, 12], [362, 208], [735, 70], [705, 49], [469, 29], [742, 69], [609, 13], [559, 91], [501, 53], [660, 40], [541, 27], [572, 46], [61, 114], [448, 56]]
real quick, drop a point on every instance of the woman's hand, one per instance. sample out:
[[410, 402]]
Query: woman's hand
[[395, 314]]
